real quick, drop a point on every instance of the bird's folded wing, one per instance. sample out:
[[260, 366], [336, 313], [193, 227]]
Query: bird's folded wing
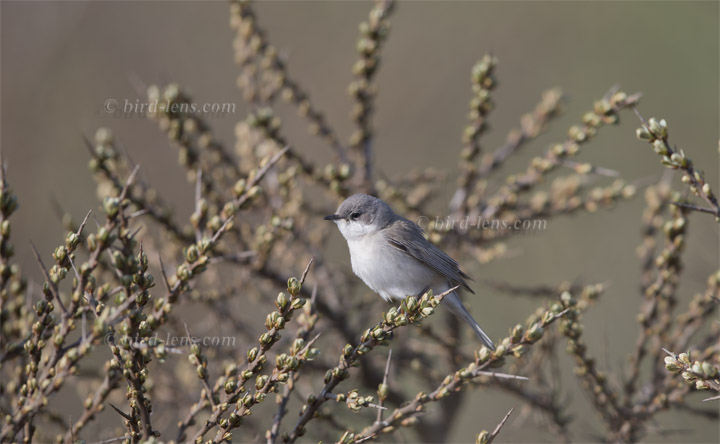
[[408, 238]]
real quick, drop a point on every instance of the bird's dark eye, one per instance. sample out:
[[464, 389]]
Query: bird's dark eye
[[355, 215]]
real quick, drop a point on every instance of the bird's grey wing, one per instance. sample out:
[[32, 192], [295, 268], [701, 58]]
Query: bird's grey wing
[[408, 238]]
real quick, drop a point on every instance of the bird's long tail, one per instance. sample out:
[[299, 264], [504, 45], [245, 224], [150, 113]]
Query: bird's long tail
[[455, 305]]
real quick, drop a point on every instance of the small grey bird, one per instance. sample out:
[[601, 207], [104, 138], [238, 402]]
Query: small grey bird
[[391, 255]]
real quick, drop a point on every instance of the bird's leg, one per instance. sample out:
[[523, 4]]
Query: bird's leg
[[424, 290]]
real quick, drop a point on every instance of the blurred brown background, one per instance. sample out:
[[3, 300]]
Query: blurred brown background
[[62, 60]]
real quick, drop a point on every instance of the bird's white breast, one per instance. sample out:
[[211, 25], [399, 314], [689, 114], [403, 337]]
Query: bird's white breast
[[388, 271]]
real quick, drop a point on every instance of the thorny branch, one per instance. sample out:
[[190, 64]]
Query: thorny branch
[[255, 218]]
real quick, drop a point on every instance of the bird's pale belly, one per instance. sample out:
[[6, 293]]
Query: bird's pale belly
[[390, 272]]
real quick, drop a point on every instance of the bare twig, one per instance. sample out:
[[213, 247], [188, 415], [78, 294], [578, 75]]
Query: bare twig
[[382, 391], [51, 285], [503, 376], [694, 207], [495, 432], [305, 272]]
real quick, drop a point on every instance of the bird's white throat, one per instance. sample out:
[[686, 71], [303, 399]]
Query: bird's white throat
[[353, 231]]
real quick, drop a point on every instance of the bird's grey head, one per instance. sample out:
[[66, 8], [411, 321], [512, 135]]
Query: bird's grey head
[[360, 215]]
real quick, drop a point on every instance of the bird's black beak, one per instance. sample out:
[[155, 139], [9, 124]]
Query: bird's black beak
[[332, 217]]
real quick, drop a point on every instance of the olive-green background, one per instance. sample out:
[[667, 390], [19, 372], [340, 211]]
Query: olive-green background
[[60, 62]]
